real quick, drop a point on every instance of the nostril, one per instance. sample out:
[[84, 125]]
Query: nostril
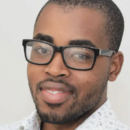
[[40, 89], [56, 76], [47, 73], [61, 75]]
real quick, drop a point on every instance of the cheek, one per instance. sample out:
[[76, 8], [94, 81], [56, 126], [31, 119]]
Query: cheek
[[84, 81], [34, 73], [88, 81], [83, 78]]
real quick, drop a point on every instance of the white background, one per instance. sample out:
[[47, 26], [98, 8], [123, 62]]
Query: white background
[[16, 23]]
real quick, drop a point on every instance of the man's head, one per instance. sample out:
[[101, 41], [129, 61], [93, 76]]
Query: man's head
[[62, 94], [114, 25]]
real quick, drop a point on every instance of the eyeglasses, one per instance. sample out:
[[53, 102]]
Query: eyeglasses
[[74, 56]]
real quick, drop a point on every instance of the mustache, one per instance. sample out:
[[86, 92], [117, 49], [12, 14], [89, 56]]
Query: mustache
[[66, 84]]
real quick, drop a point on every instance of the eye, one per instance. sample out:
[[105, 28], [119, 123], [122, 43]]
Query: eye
[[42, 50], [81, 56]]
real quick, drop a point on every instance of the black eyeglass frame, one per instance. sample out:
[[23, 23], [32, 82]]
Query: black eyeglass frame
[[60, 49]]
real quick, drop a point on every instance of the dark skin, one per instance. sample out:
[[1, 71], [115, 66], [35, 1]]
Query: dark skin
[[78, 23]]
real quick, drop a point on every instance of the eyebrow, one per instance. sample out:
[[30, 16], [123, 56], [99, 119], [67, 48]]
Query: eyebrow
[[43, 37], [81, 42]]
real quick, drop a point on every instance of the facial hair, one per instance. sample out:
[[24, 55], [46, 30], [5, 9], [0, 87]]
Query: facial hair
[[77, 109]]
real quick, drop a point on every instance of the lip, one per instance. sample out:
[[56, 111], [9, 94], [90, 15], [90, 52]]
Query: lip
[[54, 98]]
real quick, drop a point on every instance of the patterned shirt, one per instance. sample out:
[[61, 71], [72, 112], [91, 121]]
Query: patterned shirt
[[102, 119]]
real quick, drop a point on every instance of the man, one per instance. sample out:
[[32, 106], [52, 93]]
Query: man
[[73, 54]]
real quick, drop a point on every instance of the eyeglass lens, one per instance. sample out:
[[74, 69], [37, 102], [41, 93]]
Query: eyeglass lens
[[75, 57], [38, 52]]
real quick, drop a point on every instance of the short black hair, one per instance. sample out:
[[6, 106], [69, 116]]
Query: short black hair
[[114, 19]]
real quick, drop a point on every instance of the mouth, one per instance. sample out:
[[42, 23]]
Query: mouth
[[54, 93]]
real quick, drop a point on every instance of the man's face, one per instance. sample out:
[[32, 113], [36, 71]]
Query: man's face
[[61, 94]]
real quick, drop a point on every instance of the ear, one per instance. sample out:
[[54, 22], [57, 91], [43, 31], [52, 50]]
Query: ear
[[116, 65]]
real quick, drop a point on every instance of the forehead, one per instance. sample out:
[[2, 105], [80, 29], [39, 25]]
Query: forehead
[[65, 24]]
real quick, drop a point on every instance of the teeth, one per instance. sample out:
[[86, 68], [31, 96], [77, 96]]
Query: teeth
[[54, 92]]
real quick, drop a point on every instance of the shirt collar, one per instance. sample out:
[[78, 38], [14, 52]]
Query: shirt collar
[[102, 119], [32, 122]]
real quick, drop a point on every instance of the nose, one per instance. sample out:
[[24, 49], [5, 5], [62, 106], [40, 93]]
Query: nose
[[57, 67]]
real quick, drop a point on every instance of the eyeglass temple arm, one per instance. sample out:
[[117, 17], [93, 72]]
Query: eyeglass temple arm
[[106, 52]]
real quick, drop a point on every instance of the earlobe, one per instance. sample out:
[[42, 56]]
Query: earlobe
[[116, 65]]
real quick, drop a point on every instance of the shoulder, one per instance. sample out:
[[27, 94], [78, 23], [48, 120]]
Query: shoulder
[[121, 126], [13, 126], [26, 123]]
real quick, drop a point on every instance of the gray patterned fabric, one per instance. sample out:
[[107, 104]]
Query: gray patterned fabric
[[102, 119]]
